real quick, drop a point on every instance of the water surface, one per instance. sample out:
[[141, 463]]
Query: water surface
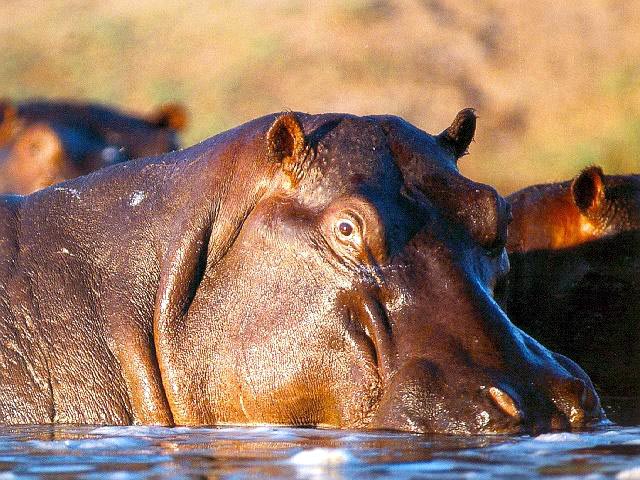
[[266, 452]]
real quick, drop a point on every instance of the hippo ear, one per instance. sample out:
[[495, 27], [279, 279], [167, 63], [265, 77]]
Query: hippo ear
[[7, 110], [588, 190], [36, 159], [8, 116], [286, 145], [460, 133], [42, 146], [170, 115]]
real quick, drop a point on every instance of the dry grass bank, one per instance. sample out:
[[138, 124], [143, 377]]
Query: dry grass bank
[[556, 84]]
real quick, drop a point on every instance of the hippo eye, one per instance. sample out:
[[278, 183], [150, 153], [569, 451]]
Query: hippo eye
[[346, 228]]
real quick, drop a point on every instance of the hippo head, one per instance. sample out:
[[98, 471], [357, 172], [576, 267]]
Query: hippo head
[[39, 155], [32, 159], [590, 207], [347, 282], [573, 248], [135, 135], [45, 142], [609, 204]]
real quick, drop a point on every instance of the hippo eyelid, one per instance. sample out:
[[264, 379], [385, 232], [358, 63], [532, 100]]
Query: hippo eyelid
[[495, 250], [354, 237]]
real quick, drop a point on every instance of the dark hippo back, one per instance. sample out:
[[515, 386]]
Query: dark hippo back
[[574, 282]]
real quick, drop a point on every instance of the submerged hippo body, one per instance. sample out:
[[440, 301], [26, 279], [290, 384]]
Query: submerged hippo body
[[574, 282], [300, 270], [46, 142]]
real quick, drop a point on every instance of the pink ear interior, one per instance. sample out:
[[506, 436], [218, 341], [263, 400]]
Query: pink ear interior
[[285, 138]]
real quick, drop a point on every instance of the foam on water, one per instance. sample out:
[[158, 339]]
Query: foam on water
[[323, 456], [134, 431], [60, 468], [558, 437], [89, 444], [629, 474]]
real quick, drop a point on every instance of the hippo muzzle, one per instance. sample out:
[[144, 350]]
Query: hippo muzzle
[[452, 362], [427, 397]]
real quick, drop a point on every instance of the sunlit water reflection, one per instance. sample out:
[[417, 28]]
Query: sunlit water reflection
[[265, 452]]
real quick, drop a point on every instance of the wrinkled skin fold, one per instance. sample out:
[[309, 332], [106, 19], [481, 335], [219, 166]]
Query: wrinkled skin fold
[[321, 270]]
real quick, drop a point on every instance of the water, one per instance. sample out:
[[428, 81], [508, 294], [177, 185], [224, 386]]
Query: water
[[266, 452]]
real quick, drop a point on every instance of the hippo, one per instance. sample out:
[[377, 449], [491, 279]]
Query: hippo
[[574, 282], [305, 270], [45, 142]]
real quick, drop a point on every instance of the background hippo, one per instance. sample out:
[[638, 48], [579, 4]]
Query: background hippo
[[574, 282], [322, 270], [45, 142]]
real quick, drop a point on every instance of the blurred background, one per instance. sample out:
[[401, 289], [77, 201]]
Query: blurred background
[[556, 84]]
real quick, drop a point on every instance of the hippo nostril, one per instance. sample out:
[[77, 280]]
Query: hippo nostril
[[588, 399], [588, 402], [504, 402], [577, 412], [576, 400]]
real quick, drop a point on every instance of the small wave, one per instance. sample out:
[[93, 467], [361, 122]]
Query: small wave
[[133, 431], [88, 444], [322, 457], [629, 474], [558, 437]]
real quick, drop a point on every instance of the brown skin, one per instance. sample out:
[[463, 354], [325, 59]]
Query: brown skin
[[574, 283], [44, 142], [321, 270]]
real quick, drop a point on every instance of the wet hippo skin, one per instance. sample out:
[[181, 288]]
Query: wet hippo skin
[[46, 142], [574, 282], [320, 270]]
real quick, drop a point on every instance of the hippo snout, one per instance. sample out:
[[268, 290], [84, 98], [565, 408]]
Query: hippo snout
[[422, 397], [575, 402], [574, 396]]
